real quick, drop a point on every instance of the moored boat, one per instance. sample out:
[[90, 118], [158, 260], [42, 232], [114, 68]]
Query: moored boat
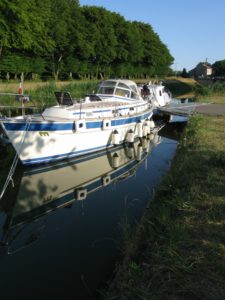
[[156, 93], [117, 113]]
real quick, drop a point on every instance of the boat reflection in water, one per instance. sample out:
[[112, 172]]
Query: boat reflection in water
[[46, 188]]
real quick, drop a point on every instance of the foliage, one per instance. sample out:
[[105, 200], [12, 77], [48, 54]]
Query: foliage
[[219, 68], [218, 87], [59, 39], [44, 95], [210, 91], [184, 73], [201, 90], [25, 26]]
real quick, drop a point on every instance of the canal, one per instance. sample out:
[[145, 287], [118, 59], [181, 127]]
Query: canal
[[62, 226]]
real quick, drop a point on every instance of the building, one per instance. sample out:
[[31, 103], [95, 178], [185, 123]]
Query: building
[[202, 70]]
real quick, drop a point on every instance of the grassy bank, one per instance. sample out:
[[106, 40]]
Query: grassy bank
[[181, 87], [42, 93], [179, 249], [213, 92]]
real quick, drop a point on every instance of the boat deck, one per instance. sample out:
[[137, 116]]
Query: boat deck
[[100, 104]]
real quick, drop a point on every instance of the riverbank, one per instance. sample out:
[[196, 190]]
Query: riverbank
[[42, 93], [178, 251]]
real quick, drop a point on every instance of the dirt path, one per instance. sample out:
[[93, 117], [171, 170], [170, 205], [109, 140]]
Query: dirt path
[[211, 109]]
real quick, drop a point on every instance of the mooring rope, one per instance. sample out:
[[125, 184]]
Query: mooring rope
[[15, 161]]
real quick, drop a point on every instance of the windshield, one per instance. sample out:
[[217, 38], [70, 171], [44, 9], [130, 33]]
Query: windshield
[[118, 88], [106, 90], [122, 92]]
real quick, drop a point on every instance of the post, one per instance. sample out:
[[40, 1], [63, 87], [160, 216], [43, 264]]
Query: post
[[20, 92]]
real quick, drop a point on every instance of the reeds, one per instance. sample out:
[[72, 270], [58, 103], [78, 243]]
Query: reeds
[[42, 93]]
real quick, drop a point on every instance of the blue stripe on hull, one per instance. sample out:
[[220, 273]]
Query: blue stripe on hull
[[53, 126]]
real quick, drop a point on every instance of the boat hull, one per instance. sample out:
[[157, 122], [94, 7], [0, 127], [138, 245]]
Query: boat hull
[[45, 141]]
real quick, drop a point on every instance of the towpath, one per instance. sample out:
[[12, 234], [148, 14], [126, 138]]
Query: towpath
[[193, 108], [211, 109]]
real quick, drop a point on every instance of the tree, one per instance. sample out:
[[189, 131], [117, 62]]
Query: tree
[[59, 36], [219, 68], [184, 73], [64, 31], [100, 36], [25, 25]]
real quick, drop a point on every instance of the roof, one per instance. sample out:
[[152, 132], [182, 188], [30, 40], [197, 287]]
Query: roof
[[127, 82]]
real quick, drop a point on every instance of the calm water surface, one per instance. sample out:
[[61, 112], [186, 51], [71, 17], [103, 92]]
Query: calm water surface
[[61, 226]]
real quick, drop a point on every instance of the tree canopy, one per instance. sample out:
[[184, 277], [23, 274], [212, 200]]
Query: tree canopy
[[219, 68], [61, 39]]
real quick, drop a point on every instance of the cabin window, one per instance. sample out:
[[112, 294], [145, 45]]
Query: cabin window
[[160, 93], [133, 87], [122, 92], [108, 83], [81, 125], [106, 90], [134, 96], [122, 85], [107, 124]]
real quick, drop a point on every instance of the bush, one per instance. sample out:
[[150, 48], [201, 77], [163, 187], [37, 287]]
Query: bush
[[218, 87], [201, 91]]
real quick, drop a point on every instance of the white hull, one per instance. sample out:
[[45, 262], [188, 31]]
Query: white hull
[[47, 142]]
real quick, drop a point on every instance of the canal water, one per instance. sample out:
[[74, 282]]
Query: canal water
[[62, 225]]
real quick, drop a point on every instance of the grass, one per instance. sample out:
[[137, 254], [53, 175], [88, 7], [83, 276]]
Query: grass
[[178, 251], [42, 93], [181, 87]]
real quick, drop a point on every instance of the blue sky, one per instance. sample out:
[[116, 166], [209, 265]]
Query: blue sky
[[193, 30]]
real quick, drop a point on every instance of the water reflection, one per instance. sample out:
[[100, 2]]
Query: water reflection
[[44, 189]]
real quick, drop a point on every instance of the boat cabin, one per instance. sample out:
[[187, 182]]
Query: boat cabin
[[116, 89], [155, 94]]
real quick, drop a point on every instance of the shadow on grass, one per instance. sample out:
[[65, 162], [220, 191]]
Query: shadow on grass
[[178, 87]]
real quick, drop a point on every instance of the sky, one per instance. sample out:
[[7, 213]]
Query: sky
[[192, 30]]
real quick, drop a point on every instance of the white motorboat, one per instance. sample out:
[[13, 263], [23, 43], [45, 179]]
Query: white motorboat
[[117, 113], [156, 94]]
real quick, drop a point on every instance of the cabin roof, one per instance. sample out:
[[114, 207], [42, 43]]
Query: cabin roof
[[114, 82]]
